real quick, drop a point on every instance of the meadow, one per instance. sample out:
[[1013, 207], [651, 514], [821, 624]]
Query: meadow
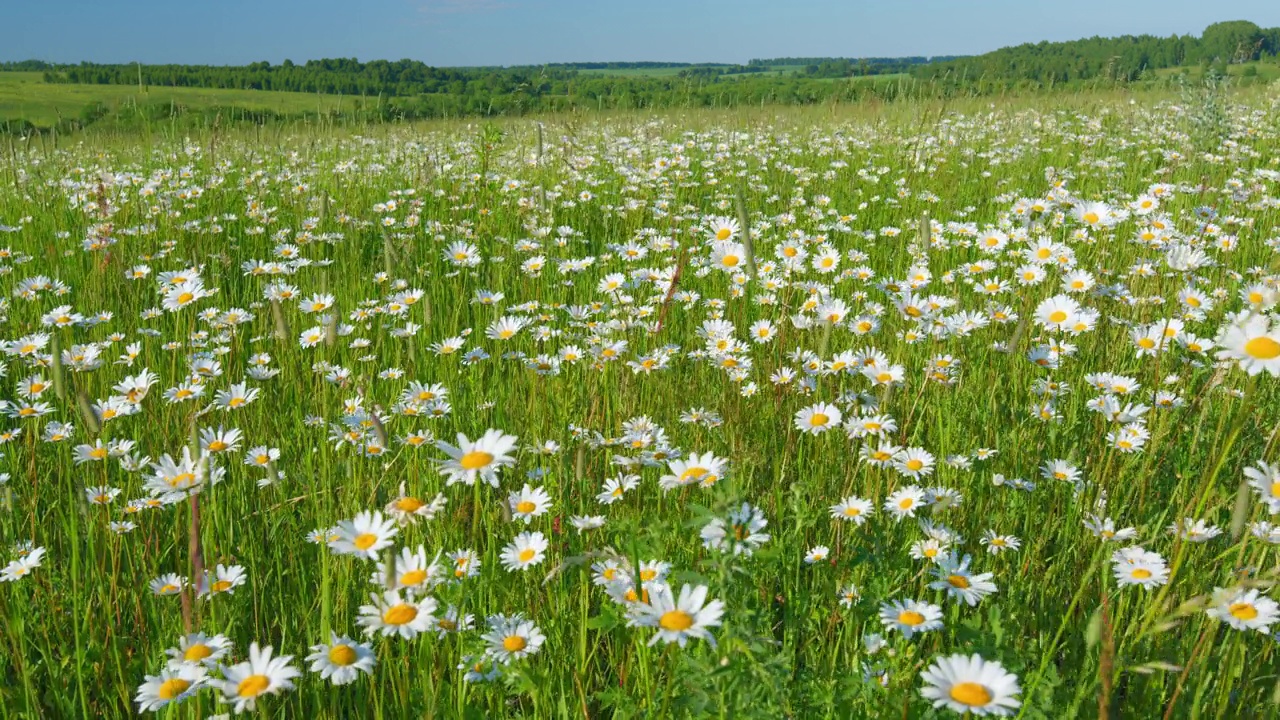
[[912, 411], [24, 96]]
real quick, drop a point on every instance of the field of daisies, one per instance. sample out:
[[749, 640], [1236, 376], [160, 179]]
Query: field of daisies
[[910, 413]]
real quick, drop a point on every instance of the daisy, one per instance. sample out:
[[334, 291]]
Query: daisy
[[524, 551], [817, 554], [364, 536], [615, 487], [408, 509], [678, 618], [728, 256], [971, 685], [1135, 566], [1253, 341], [452, 621], [959, 583], [481, 458], [852, 509], [817, 419], [705, 469], [997, 543], [584, 523], [223, 580], [904, 503], [392, 614], [198, 648], [412, 572], [910, 617], [1105, 528], [245, 682], [1265, 479], [173, 685], [169, 584], [722, 228], [512, 638], [914, 463], [342, 660], [235, 397], [741, 534], [529, 503]]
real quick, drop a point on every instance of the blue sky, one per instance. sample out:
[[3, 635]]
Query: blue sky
[[516, 32]]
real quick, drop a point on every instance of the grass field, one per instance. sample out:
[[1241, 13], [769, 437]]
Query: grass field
[[900, 411], [24, 96]]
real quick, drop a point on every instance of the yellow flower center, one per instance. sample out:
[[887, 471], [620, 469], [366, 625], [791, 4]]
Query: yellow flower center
[[730, 261], [914, 464], [818, 419], [1142, 573], [364, 541], [1091, 218], [342, 655], [221, 586], [1058, 316], [514, 643], [527, 554], [475, 460], [910, 617], [409, 504], [1243, 611], [958, 581], [1262, 348], [675, 620], [172, 688], [693, 473], [401, 614], [197, 652], [971, 694], [524, 507], [185, 298], [413, 577], [217, 446], [253, 686]]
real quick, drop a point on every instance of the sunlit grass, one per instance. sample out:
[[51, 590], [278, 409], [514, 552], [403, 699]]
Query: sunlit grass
[[896, 184]]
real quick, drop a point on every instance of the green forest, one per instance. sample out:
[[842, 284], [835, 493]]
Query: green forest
[[408, 89], [1126, 58]]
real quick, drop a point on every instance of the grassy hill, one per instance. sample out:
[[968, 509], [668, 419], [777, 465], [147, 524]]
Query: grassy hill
[[23, 96]]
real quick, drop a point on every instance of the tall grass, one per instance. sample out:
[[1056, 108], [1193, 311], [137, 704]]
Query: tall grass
[[82, 631]]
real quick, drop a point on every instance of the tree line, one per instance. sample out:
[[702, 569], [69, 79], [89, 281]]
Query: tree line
[[1126, 58]]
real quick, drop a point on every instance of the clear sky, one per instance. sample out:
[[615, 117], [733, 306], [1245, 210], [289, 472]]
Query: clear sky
[[518, 32]]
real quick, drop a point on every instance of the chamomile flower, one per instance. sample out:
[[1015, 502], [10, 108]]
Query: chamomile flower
[[364, 536], [341, 660], [243, 683], [971, 686], [391, 613], [678, 618], [524, 551], [174, 684], [512, 638], [481, 458], [529, 503], [1244, 609], [910, 617]]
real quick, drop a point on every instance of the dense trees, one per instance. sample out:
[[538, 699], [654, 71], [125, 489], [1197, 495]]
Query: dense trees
[[1124, 58]]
